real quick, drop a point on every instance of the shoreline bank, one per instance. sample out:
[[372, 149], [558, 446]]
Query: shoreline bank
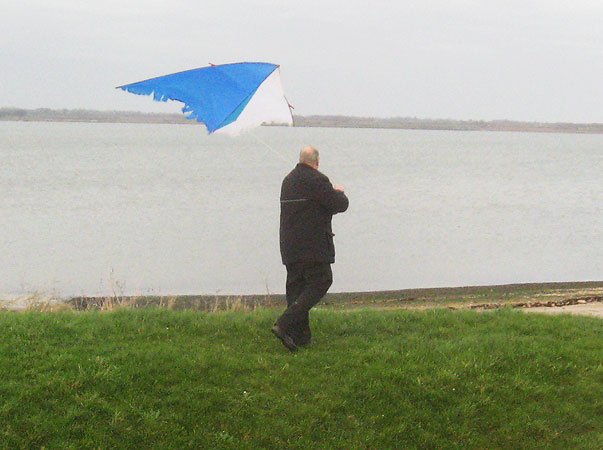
[[463, 297], [312, 121]]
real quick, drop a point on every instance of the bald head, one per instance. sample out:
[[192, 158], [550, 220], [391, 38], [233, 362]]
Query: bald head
[[309, 156]]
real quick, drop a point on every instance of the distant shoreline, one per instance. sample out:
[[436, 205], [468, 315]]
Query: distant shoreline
[[456, 296], [328, 121]]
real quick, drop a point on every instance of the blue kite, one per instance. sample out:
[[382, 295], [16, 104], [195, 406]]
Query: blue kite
[[227, 97]]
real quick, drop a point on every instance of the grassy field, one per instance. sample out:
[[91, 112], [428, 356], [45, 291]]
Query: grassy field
[[435, 379]]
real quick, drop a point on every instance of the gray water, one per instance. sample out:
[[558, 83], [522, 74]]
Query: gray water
[[165, 209]]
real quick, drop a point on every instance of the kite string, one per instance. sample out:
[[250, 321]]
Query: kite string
[[269, 147]]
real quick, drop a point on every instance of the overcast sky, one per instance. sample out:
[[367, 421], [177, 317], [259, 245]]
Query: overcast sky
[[460, 59]]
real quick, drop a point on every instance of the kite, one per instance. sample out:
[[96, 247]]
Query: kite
[[228, 98]]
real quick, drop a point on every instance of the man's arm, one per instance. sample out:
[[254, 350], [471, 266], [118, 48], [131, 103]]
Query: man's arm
[[331, 197]]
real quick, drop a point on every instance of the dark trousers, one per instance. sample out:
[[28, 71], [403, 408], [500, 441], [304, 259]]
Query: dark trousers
[[307, 283]]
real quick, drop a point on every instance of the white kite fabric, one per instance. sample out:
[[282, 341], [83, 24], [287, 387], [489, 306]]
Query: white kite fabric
[[268, 105], [228, 98]]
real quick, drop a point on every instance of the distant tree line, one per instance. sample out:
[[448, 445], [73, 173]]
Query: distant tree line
[[413, 123], [86, 115], [408, 123]]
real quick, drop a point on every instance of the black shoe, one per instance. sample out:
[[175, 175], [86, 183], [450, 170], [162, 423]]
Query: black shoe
[[284, 337]]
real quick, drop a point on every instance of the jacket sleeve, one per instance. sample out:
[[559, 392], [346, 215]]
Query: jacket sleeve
[[331, 199]]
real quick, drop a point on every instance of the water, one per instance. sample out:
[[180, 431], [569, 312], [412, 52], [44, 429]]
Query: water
[[164, 209]]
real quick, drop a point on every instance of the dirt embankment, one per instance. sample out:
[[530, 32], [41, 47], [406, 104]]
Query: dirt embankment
[[587, 305], [561, 297]]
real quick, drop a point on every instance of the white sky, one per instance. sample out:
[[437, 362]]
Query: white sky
[[461, 59]]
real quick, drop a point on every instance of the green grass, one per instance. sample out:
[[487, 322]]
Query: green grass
[[160, 379]]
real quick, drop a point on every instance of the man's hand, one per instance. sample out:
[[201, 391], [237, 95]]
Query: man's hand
[[338, 188]]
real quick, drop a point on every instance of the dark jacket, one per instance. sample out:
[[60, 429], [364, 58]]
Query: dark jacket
[[308, 202]]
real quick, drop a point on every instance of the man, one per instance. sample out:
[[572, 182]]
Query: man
[[308, 202]]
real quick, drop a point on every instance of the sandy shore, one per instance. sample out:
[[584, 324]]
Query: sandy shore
[[585, 298], [591, 309]]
